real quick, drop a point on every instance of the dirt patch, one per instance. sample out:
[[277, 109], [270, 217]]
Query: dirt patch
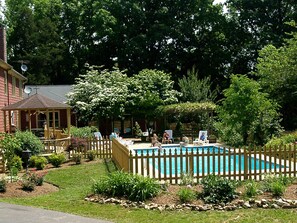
[[170, 196], [14, 189]]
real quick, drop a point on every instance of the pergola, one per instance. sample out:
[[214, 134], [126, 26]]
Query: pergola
[[33, 105]]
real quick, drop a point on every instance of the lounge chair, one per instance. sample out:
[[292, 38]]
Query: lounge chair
[[170, 138], [98, 135], [202, 138]]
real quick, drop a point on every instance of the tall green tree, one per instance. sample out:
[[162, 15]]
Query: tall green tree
[[34, 38], [86, 26], [58, 37], [257, 23], [247, 115], [149, 89], [276, 70], [194, 89], [169, 36]]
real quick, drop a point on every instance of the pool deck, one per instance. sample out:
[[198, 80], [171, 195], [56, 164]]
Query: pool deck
[[148, 145]]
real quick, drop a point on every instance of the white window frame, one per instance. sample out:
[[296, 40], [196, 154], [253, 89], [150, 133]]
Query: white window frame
[[40, 121]]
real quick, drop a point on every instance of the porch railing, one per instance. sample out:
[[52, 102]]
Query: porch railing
[[102, 147]]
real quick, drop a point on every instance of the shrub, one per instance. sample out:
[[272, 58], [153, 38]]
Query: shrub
[[251, 188], [119, 183], [135, 187], [32, 161], [40, 162], [277, 189], [77, 158], [217, 189], [142, 188], [56, 159], [101, 186], [30, 180], [9, 145], [28, 141], [91, 155], [37, 178], [27, 183], [285, 139], [77, 144], [83, 132], [186, 179], [2, 185], [276, 184], [13, 172], [267, 181], [186, 195], [16, 161]]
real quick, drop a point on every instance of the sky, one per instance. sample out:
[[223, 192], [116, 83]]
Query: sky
[[218, 1]]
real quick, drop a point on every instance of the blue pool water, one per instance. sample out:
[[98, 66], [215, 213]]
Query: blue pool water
[[212, 164]]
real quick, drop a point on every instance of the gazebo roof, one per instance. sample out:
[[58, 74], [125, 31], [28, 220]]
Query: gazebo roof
[[36, 102]]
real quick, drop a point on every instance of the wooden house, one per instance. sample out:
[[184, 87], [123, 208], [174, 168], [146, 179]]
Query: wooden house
[[11, 87]]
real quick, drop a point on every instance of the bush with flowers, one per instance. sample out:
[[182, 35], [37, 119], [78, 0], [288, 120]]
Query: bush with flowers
[[32, 179]]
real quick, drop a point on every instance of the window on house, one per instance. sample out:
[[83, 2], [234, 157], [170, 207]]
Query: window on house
[[41, 119], [5, 83], [13, 85], [12, 117]]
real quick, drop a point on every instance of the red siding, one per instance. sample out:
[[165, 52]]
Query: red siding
[[6, 99]]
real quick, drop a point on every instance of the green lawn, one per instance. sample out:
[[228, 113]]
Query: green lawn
[[75, 183]]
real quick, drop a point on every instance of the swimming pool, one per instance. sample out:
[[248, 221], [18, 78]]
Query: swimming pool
[[205, 160]]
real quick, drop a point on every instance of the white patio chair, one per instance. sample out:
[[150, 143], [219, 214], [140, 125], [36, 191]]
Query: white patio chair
[[202, 138], [98, 135]]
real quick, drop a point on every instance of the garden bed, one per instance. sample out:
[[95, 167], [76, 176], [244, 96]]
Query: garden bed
[[169, 200]]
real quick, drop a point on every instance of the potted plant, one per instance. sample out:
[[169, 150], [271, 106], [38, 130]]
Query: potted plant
[[137, 130]]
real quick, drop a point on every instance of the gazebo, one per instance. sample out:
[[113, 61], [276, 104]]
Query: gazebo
[[37, 113]]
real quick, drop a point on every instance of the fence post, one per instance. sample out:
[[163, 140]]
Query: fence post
[[55, 145], [131, 167], [191, 164], [245, 169]]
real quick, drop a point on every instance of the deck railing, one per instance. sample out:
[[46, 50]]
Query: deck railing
[[170, 164], [102, 147]]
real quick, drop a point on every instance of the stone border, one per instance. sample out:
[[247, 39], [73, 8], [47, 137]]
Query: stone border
[[240, 204]]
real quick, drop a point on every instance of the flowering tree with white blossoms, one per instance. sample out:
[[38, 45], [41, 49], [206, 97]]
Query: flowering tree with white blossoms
[[103, 93], [99, 93]]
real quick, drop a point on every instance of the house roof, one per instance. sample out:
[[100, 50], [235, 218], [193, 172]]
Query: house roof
[[36, 102], [54, 92], [10, 70]]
